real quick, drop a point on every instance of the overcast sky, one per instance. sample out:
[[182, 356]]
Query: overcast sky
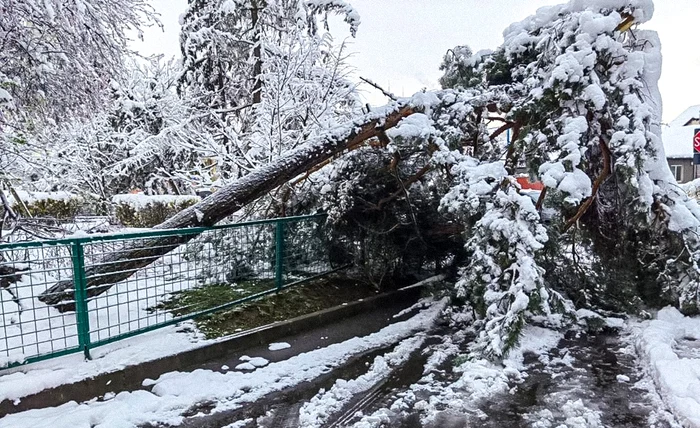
[[400, 43]]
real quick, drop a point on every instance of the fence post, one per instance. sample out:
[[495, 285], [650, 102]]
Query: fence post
[[279, 254], [81, 309]]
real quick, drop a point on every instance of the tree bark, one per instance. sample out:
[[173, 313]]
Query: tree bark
[[257, 54], [121, 265]]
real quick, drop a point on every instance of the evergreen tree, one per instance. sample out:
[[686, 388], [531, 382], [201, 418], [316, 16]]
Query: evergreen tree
[[575, 86]]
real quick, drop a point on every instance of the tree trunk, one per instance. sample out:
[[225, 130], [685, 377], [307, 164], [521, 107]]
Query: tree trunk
[[257, 54], [121, 265]]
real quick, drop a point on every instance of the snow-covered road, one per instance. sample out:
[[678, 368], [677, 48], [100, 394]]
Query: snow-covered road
[[574, 380], [174, 396], [416, 373]]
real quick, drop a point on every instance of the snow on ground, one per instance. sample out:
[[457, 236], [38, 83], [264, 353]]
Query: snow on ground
[[240, 424], [670, 344], [323, 405], [480, 378], [420, 304], [252, 363], [278, 346], [565, 380], [477, 379], [576, 414], [27, 380], [173, 393]]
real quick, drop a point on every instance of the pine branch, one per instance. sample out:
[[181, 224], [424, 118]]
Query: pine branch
[[607, 170]]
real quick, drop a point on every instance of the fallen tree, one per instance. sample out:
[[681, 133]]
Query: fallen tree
[[228, 200], [576, 86]]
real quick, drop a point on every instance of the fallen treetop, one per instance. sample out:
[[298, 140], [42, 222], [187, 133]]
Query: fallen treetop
[[230, 199]]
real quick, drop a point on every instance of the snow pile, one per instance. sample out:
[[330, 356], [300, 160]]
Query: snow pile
[[175, 392], [252, 363], [278, 346], [575, 413], [671, 346]]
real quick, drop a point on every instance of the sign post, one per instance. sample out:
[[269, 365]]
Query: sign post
[[696, 152]]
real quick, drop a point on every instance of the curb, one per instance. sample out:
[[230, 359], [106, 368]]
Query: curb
[[130, 378]]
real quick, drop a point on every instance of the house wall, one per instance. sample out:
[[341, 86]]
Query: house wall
[[688, 168]]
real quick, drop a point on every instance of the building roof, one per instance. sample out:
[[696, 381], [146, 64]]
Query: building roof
[[678, 141], [678, 134], [688, 115]]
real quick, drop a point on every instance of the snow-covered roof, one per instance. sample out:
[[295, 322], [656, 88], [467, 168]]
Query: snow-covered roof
[[678, 141], [678, 138], [689, 114]]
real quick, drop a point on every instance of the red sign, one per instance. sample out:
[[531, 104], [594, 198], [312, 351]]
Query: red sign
[[526, 184], [696, 141]]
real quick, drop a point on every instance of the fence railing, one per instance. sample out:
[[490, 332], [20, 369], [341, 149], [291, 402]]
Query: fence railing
[[249, 260]]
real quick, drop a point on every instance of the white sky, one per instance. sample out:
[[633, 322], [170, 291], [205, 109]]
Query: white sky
[[400, 43]]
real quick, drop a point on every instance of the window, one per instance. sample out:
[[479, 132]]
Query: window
[[677, 172]]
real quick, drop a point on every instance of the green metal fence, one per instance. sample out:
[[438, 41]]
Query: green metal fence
[[255, 258]]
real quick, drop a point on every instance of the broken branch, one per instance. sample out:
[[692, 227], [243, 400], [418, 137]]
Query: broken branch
[[607, 170]]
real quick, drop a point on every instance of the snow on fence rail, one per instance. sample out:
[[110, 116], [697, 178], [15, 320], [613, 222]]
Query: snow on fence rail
[[257, 258]]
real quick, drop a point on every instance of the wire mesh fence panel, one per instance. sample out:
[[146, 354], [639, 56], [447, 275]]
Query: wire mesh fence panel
[[31, 329], [170, 276], [305, 252], [234, 256]]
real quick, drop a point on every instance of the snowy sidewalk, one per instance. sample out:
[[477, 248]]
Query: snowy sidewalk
[[401, 369], [572, 380], [671, 346], [175, 396], [124, 365]]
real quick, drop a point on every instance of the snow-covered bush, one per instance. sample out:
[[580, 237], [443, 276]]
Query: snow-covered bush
[[58, 205], [139, 210]]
